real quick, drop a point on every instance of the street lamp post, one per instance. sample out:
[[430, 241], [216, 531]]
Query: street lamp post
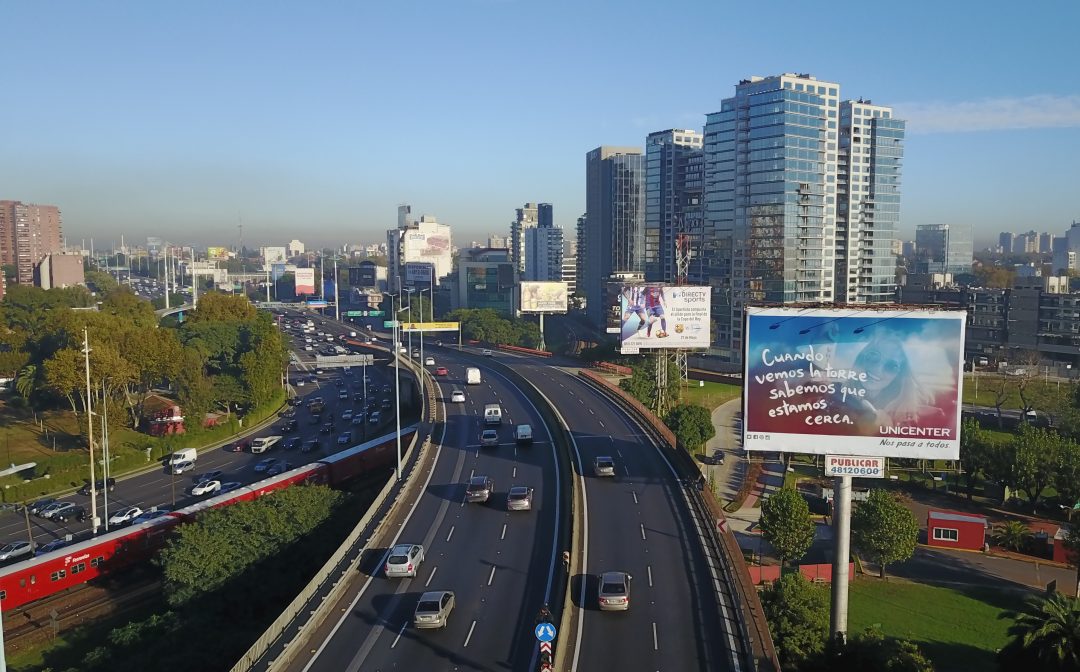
[[90, 434]]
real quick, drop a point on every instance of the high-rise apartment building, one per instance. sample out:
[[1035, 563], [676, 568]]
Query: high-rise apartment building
[[867, 202], [28, 232], [943, 248], [569, 266], [1005, 242], [673, 210], [421, 248], [497, 242], [527, 218], [801, 199], [543, 253], [295, 248], [613, 239]]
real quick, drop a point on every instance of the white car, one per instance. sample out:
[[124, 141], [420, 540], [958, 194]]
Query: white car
[[404, 560], [429, 361], [486, 352], [206, 488], [124, 516], [182, 467], [457, 397]]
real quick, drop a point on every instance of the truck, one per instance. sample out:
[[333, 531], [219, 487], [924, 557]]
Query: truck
[[492, 414], [472, 375], [264, 443]]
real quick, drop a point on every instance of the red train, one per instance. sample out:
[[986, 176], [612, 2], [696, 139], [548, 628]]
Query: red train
[[45, 575]]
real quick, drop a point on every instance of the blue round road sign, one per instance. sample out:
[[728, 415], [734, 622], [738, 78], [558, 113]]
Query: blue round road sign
[[545, 632]]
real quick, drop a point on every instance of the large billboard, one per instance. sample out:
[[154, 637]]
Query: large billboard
[[543, 297], [663, 316], [217, 253], [868, 382], [430, 326], [419, 271], [305, 281]]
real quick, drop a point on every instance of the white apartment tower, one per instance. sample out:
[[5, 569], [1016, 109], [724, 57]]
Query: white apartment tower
[[543, 253], [420, 247]]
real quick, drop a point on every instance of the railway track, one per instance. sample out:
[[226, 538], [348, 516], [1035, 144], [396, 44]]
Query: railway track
[[40, 621]]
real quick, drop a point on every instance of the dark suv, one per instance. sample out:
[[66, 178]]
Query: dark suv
[[74, 512], [99, 486]]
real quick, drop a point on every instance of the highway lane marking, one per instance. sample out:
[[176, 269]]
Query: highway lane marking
[[469, 636], [634, 493], [618, 452], [451, 533], [398, 635], [642, 531], [436, 568], [491, 577], [626, 469], [602, 424], [649, 569], [501, 537], [592, 412], [655, 641], [515, 472]]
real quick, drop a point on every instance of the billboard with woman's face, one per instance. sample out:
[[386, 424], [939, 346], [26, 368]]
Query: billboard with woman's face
[[856, 382]]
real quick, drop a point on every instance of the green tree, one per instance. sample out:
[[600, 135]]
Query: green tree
[[642, 382], [101, 281], [870, 651], [223, 543], [786, 524], [26, 381], [692, 425], [1012, 535], [1046, 636], [798, 615], [262, 372], [194, 389], [1036, 456], [1067, 473], [219, 307], [976, 446], [883, 528]]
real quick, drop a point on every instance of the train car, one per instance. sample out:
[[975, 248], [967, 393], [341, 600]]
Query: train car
[[371, 456], [35, 578], [39, 577]]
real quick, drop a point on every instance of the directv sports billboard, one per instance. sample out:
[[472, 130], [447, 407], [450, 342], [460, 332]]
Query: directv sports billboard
[[663, 316], [543, 297], [859, 382]]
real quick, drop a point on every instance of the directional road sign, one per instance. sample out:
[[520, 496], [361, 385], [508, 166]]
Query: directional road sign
[[545, 632]]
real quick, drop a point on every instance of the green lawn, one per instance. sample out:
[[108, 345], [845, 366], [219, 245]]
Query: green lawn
[[988, 385], [959, 628], [711, 395]]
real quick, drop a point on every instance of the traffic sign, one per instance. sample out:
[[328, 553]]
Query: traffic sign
[[545, 632], [355, 313], [390, 324], [545, 647]]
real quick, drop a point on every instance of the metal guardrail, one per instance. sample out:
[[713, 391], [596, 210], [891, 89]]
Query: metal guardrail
[[339, 566], [758, 651]]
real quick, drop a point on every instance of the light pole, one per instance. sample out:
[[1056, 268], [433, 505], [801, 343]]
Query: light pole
[[397, 385], [105, 450], [410, 291], [90, 435]]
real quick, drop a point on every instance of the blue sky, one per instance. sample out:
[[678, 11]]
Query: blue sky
[[314, 120]]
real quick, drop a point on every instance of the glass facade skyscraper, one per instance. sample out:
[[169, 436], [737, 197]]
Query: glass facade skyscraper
[[801, 199], [613, 239], [943, 248], [868, 202], [673, 183]]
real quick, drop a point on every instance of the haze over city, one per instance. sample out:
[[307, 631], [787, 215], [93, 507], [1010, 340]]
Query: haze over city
[[144, 120]]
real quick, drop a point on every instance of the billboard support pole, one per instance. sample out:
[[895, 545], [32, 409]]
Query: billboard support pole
[[337, 297], [842, 554], [543, 346]]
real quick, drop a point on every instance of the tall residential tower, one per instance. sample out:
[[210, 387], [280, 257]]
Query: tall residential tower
[[673, 182]]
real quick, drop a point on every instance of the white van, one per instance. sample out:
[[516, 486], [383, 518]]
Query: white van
[[472, 376], [523, 435], [492, 414], [185, 455]]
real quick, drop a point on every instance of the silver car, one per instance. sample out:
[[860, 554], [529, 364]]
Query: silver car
[[404, 560], [16, 551], [604, 466], [519, 498], [479, 489], [433, 609], [614, 591]]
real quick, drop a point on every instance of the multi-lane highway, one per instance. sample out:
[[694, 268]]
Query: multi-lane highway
[[158, 488], [636, 522], [498, 563]]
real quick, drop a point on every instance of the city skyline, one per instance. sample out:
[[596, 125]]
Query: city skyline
[[360, 114]]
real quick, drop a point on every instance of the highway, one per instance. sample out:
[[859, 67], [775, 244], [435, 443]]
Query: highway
[[498, 563], [636, 523], [159, 488]]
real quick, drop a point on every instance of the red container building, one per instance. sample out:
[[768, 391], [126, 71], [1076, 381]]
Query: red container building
[[952, 529]]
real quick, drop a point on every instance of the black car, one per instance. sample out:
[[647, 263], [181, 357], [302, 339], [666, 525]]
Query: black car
[[295, 401], [40, 504], [293, 443], [315, 419], [313, 444], [288, 426], [70, 513], [386, 404], [100, 486], [327, 428]]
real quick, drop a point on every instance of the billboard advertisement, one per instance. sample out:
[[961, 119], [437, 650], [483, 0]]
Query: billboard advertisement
[[543, 297], [430, 326], [217, 253], [416, 271], [663, 316], [884, 383], [305, 281], [276, 271]]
